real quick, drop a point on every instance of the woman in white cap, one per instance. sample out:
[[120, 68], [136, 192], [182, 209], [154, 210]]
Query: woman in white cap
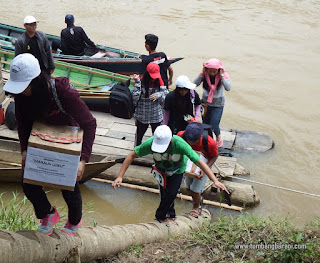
[[37, 97], [170, 155], [180, 104], [148, 98]]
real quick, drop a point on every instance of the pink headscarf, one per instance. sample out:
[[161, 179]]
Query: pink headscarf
[[216, 64]]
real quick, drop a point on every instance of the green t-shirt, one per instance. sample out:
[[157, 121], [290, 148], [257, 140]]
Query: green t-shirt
[[174, 159]]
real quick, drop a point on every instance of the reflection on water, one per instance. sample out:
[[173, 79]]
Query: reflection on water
[[271, 51], [105, 206]]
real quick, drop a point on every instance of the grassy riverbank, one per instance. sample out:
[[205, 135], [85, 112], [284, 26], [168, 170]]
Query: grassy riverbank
[[243, 238]]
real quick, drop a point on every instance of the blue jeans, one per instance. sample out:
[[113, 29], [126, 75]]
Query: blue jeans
[[213, 118]]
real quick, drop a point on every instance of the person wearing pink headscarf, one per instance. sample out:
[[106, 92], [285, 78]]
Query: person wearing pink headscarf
[[215, 80]]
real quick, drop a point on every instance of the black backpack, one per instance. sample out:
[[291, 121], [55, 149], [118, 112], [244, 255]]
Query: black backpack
[[207, 131], [120, 102], [10, 116]]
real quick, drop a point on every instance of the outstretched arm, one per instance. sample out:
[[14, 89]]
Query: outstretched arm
[[206, 169], [131, 156]]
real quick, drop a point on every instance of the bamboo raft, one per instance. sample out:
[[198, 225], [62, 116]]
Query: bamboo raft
[[115, 138]]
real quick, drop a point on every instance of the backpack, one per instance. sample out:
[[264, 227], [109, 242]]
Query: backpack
[[120, 102], [207, 131], [10, 116]]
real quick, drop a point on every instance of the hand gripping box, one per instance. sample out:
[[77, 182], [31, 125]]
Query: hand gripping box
[[192, 170], [53, 156]]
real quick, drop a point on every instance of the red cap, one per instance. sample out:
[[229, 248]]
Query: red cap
[[154, 70]]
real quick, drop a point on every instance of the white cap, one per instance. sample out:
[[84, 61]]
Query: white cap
[[23, 69], [184, 82], [161, 139], [29, 20]]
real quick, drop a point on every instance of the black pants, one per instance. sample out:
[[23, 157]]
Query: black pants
[[42, 206], [141, 130], [167, 196]]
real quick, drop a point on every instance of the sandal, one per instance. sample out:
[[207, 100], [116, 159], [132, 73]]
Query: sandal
[[195, 213]]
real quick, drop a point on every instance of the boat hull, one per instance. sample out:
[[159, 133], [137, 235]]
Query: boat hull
[[115, 60]]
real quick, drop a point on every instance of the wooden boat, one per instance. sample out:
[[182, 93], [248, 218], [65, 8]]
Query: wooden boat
[[93, 85], [101, 57]]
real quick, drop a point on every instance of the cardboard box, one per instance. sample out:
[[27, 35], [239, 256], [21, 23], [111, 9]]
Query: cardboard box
[[52, 163], [193, 170]]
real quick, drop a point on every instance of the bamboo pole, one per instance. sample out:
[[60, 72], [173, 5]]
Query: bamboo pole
[[180, 196], [12, 164]]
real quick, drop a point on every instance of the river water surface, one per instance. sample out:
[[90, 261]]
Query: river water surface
[[271, 50]]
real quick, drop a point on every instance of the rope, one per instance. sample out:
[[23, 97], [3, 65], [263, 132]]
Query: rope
[[265, 184]]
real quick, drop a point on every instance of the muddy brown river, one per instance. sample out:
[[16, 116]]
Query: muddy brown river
[[271, 50]]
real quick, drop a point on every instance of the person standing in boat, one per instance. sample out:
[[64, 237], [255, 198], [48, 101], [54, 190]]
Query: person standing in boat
[[36, 43], [74, 39], [170, 155], [151, 42], [193, 135], [215, 80], [148, 99], [37, 97], [181, 104]]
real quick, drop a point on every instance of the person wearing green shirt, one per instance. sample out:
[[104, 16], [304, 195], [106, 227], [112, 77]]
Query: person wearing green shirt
[[170, 155]]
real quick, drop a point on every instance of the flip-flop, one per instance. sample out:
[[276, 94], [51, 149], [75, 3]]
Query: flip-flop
[[194, 213]]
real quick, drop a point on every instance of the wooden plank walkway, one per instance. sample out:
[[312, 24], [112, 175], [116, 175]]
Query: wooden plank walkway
[[115, 137]]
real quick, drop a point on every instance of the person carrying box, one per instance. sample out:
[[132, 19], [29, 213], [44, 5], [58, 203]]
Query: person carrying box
[[36, 98]]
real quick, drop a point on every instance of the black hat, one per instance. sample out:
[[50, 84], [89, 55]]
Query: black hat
[[193, 131], [69, 18]]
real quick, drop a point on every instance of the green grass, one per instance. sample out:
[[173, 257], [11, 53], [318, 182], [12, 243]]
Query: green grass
[[270, 239], [220, 240], [17, 214]]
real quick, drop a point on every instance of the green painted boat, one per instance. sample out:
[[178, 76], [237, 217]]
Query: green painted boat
[[93, 84]]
